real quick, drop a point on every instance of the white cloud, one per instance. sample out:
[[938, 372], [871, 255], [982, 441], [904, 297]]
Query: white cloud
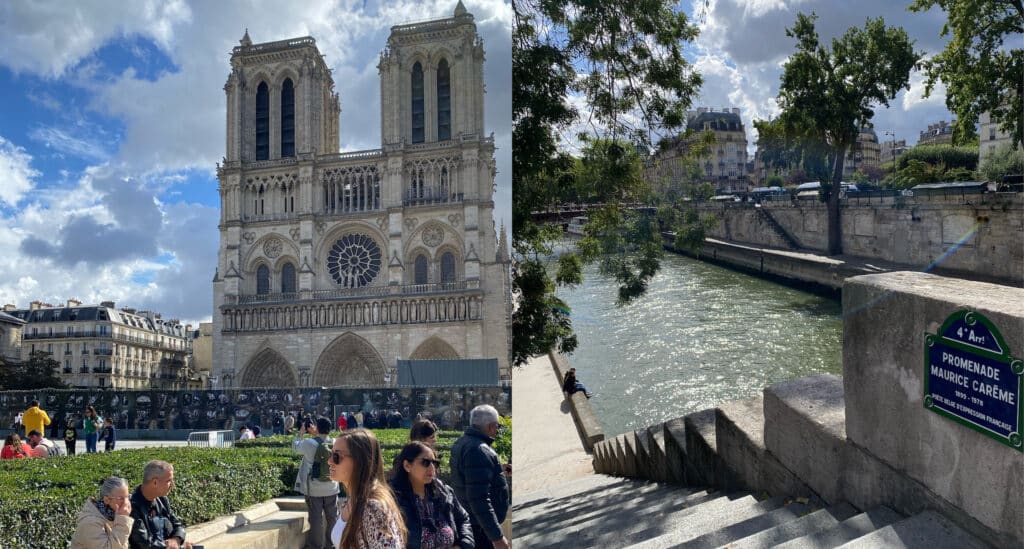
[[61, 141], [15, 173]]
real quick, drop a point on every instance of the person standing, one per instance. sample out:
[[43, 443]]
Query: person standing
[[155, 524], [34, 419], [278, 423], [434, 517], [91, 425], [105, 521], [478, 477], [370, 518], [289, 423], [342, 422], [108, 435], [70, 437], [314, 481]]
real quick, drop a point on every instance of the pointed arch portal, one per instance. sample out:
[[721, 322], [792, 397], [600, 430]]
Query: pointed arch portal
[[269, 369], [350, 360], [434, 348]]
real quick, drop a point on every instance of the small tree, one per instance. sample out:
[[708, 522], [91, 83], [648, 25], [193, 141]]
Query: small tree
[[38, 372], [1000, 162], [827, 94]]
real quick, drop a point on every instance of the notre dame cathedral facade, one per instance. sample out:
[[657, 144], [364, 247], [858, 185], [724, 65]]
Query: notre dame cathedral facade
[[334, 266]]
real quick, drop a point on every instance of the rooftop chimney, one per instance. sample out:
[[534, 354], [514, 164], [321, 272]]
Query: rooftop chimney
[[735, 110], [35, 305], [74, 303], [10, 307], [107, 304]]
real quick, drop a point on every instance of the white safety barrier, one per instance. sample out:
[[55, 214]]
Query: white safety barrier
[[212, 439]]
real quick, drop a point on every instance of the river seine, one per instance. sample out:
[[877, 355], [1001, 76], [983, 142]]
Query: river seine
[[701, 335]]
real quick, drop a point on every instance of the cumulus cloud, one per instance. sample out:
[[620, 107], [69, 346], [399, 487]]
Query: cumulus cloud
[[16, 176]]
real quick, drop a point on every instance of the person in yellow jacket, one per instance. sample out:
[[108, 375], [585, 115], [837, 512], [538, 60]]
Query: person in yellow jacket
[[35, 418]]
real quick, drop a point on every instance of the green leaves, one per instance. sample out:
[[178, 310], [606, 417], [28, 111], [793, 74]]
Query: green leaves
[[38, 372], [982, 66]]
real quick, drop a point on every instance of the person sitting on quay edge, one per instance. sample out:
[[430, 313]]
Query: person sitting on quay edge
[[14, 448], [572, 385], [105, 522], [433, 515], [155, 524], [41, 447], [108, 435]]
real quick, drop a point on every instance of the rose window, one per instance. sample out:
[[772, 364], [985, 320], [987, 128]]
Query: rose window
[[354, 261]]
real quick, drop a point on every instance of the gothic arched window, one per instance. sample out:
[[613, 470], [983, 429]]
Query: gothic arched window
[[262, 280], [287, 118], [448, 267], [417, 103], [288, 279], [262, 122], [444, 102], [420, 269]]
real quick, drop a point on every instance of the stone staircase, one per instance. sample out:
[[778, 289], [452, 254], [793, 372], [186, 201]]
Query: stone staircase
[[607, 511], [778, 229], [277, 524], [775, 470]]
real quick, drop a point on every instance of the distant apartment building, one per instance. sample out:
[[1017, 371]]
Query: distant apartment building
[[100, 346], [990, 137], [865, 153], [892, 149], [725, 167], [202, 350], [940, 133], [10, 337]]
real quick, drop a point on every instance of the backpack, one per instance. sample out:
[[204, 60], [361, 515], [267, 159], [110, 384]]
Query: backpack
[[321, 462], [54, 450]]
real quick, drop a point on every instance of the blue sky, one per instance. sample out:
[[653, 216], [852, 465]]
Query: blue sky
[[112, 122]]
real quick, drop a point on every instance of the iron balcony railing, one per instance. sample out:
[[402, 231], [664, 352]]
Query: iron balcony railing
[[356, 293]]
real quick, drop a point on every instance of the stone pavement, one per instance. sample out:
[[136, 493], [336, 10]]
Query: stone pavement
[[546, 447]]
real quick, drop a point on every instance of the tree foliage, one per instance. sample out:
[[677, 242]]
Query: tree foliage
[[952, 157], [828, 93], [38, 372], [1000, 162], [982, 65], [625, 59]]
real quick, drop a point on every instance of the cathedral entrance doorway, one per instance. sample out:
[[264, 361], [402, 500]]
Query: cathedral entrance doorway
[[350, 360], [269, 369]]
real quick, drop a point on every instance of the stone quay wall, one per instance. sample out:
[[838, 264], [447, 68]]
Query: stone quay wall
[[865, 438], [171, 414], [982, 234]]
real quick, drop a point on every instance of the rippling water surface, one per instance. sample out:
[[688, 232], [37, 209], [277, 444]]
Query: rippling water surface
[[701, 335]]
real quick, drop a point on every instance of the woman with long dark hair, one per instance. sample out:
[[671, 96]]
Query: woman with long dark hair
[[370, 519], [433, 515]]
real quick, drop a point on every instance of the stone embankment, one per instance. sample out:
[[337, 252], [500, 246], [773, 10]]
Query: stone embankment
[[824, 461]]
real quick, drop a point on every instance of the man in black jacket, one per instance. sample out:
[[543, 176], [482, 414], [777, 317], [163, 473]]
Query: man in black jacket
[[155, 525], [478, 479]]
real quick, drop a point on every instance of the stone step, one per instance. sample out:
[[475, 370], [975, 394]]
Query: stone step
[[926, 530], [292, 503], [207, 530], [280, 530], [709, 522], [604, 525], [759, 523], [570, 511], [609, 494], [587, 483], [802, 526], [847, 530]]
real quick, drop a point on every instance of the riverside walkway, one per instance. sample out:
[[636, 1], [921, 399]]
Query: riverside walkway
[[546, 448]]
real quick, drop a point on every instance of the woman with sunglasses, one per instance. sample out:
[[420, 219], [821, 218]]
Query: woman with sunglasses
[[370, 519], [105, 522], [434, 517]]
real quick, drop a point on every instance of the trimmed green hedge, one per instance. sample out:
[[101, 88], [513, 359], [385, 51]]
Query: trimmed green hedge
[[40, 498]]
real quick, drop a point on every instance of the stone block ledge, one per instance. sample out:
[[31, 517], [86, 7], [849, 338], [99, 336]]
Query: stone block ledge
[[583, 415]]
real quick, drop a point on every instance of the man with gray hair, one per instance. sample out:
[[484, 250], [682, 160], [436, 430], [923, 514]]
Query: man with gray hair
[[155, 524], [478, 479]]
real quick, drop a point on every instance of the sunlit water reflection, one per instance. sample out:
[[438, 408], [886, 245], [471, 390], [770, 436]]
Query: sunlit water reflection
[[701, 335]]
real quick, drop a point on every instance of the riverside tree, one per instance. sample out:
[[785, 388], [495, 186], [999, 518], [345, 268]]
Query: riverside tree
[[624, 62], [828, 93], [981, 70]]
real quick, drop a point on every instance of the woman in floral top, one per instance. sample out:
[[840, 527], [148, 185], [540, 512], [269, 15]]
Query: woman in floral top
[[433, 515], [370, 519]]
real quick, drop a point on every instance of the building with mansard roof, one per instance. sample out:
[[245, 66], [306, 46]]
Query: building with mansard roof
[[333, 267], [100, 346]]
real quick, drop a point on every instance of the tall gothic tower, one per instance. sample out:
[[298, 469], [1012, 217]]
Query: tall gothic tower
[[334, 266]]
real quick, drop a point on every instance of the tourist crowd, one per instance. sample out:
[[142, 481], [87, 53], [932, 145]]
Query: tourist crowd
[[408, 507]]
